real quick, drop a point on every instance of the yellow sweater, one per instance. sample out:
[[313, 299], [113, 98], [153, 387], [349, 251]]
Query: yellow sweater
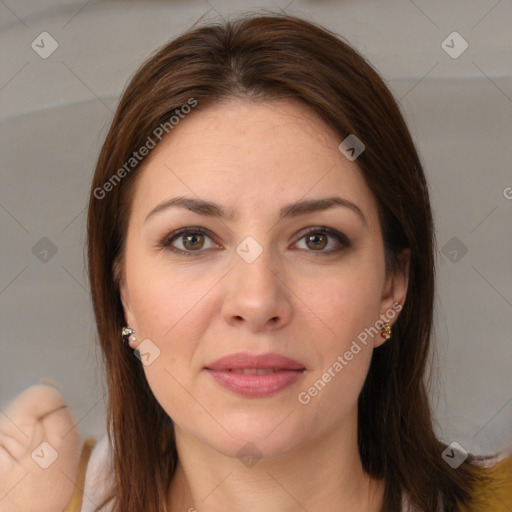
[[495, 497]]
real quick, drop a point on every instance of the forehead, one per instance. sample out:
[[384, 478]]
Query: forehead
[[251, 155]]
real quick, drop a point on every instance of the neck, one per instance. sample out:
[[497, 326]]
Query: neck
[[327, 474]]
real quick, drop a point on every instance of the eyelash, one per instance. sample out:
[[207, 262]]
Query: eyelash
[[166, 242]]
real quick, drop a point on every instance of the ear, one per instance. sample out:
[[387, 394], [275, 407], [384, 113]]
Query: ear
[[394, 292], [119, 276], [129, 317]]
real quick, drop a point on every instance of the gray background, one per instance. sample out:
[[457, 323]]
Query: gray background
[[55, 113]]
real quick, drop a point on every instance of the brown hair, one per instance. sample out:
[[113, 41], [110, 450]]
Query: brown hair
[[261, 58]]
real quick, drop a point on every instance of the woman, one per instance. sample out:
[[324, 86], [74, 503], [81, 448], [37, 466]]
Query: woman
[[260, 237]]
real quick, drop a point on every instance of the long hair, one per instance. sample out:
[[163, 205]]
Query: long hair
[[262, 58]]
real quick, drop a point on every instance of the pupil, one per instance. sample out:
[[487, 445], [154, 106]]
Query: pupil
[[189, 241], [312, 238]]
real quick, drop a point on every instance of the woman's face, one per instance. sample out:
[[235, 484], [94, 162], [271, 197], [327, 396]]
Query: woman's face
[[268, 269]]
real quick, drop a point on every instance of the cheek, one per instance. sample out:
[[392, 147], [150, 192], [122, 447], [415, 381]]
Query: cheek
[[173, 318], [172, 309], [165, 298], [343, 354], [347, 303]]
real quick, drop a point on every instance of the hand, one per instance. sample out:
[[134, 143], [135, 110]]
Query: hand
[[30, 479]]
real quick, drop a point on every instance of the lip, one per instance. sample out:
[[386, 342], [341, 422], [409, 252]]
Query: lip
[[287, 372], [242, 360]]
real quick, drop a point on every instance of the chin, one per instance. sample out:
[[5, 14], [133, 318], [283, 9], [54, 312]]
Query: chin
[[255, 438]]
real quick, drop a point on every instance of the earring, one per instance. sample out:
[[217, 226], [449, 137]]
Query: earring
[[386, 331], [127, 335]]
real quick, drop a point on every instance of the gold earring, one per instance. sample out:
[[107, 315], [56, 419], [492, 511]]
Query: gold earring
[[386, 331]]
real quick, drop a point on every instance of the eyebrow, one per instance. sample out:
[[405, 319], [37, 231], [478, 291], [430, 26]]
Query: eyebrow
[[212, 209]]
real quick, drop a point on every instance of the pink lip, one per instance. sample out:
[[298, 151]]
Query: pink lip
[[288, 371], [242, 360]]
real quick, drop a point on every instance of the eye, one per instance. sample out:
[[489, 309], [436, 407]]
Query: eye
[[191, 239], [318, 238]]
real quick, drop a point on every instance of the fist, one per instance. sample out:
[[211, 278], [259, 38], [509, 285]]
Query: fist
[[39, 452]]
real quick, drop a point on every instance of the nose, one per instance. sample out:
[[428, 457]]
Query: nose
[[257, 295]]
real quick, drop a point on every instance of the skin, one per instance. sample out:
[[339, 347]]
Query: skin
[[297, 298], [34, 476]]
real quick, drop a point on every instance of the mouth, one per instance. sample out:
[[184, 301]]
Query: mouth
[[256, 383], [255, 376], [255, 371]]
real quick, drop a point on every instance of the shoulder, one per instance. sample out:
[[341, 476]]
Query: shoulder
[[493, 490]]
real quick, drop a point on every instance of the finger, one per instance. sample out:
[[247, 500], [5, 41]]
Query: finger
[[12, 447], [35, 403], [7, 462]]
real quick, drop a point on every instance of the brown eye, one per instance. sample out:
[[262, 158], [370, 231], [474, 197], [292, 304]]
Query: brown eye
[[188, 241], [316, 241], [193, 242]]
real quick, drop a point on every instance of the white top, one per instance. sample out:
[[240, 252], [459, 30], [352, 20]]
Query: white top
[[98, 475]]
